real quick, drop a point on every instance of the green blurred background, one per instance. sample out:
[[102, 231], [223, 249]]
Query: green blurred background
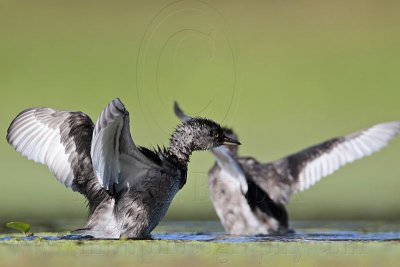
[[284, 74]]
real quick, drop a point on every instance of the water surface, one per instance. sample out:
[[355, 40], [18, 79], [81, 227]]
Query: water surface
[[306, 231]]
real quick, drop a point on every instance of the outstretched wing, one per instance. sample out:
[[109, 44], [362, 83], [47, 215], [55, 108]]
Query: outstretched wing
[[230, 167], [58, 139], [301, 170], [115, 156], [180, 114]]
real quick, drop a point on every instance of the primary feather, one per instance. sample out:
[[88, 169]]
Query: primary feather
[[58, 139]]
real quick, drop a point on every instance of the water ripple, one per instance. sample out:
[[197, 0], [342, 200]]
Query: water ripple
[[222, 238]]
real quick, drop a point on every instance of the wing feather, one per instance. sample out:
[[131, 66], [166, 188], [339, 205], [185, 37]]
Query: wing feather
[[300, 171], [48, 136], [111, 142], [179, 113], [310, 165]]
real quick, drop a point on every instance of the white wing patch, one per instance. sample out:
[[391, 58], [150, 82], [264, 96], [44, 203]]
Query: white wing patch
[[111, 129], [105, 148], [353, 147], [115, 157], [35, 133], [230, 167]]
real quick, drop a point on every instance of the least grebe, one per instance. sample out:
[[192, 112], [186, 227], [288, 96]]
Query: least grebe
[[250, 197], [128, 188]]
